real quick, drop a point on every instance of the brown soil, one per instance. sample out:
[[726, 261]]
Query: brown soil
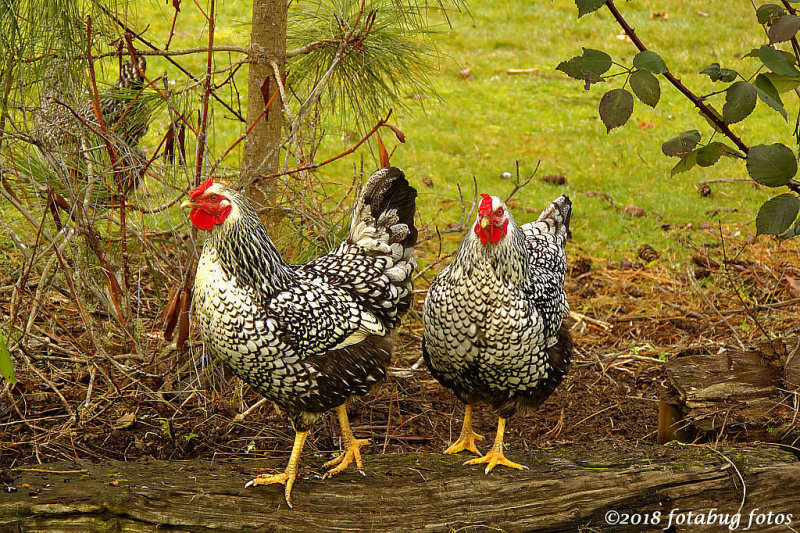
[[635, 316]]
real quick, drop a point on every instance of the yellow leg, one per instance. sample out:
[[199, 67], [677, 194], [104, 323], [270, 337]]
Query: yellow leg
[[495, 456], [466, 441], [290, 474], [351, 447]]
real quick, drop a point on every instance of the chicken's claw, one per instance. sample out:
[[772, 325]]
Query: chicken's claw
[[466, 442], [285, 478], [351, 452], [494, 457]]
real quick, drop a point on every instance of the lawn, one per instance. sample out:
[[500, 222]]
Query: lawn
[[485, 122]]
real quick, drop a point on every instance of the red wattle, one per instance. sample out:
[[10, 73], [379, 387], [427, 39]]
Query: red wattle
[[497, 233], [479, 231], [201, 219]]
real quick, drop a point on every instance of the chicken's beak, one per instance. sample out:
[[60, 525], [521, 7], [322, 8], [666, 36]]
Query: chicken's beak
[[485, 222], [187, 203]]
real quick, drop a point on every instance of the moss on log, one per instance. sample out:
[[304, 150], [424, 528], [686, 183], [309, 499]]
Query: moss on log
[[566, 489]]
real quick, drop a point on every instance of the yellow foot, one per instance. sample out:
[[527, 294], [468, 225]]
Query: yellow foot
[[466, 441], [493, 458], [351, 452], [286, 478]]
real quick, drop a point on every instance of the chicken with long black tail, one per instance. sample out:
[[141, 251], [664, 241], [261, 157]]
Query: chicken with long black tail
[[308, 337]]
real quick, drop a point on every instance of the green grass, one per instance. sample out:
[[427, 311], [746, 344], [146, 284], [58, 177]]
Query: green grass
[[488, 122], [484, 124], [480, 127]]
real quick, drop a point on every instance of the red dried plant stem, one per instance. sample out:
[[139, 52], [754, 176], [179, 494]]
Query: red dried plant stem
[[167, 56], [381, 123], [114, 288], [203, 134], [172, 28], [245, 134]]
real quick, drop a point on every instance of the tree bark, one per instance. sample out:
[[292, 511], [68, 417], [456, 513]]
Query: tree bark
[[568, 488], [267, 42], [745, 394]]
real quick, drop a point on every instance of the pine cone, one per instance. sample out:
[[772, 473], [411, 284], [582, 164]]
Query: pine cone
[[647, 253]]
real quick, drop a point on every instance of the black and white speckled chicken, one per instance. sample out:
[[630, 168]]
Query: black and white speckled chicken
[[307, 337], [124, 111], [493, 318]]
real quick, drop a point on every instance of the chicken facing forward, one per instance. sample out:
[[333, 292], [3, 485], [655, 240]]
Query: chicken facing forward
[[493, 328], [307, 337]]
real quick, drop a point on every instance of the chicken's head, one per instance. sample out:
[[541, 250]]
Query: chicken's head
[[492, 223], [210, 205]]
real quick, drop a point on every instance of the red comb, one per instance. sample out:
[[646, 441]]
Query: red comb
[[200, 189], [486, 205]]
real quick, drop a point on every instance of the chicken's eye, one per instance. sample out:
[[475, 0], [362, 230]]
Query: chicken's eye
[[499, 211], [213, 198]]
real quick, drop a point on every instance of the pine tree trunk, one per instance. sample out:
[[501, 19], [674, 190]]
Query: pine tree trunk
[[268, 41]]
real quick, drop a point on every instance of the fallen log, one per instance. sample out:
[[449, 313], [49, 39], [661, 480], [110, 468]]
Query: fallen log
[[566, 489], [744, 394]]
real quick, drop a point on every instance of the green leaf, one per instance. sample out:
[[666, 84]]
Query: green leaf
[[646, 87], [588, 6], [777, 214], [712, 71], [650, 61], [685, 164], [794, 232], [772, 165], [769, 94], [783, 84], [616, 107], [783, 29], [716, 73], [740, 100], [709, 154], [589, 66], [6, 364], [681, 145], [768, 12], [776, 61], [727, 75]]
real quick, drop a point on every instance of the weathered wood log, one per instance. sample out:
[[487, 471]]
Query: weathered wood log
[[566, 489], [747, 394]]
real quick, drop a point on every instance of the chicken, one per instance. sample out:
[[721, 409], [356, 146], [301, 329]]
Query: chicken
[[66, 115], [124, 111], [493, 328], [307, 337]]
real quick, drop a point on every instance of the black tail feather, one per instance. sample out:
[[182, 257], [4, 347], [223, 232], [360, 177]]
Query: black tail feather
[[388, 189]]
